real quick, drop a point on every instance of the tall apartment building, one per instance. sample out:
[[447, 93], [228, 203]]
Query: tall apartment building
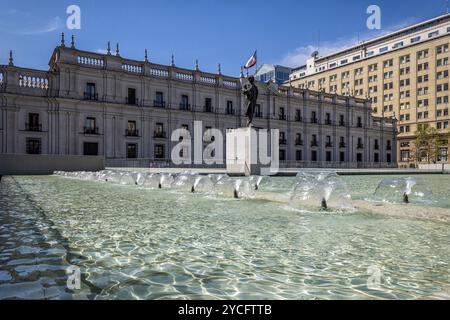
[[404, 74], [125, 110]]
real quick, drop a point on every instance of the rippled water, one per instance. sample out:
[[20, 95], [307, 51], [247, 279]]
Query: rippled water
[[134, 243]]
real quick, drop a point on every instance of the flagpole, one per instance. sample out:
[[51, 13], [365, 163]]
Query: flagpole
[[256, 66]]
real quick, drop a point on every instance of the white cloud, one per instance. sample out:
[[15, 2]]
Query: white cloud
[[101, 51], [298, 56], [23, 23]]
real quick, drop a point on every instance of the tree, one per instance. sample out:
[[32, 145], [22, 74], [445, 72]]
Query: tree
[[428, 143]]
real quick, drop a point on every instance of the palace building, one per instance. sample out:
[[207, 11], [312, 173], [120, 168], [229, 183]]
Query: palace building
[[125, 110], [405, 74]]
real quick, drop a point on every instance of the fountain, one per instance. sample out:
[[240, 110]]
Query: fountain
[[203, 184], [320, 189], [404, 190]]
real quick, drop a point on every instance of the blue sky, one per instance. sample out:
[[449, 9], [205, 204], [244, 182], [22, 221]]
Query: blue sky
[[212, 31]]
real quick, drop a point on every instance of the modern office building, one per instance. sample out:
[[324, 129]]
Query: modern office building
[[272, 72], [125, 110], [405, 74]]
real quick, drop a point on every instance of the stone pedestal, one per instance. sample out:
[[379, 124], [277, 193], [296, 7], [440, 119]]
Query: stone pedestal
[[244, 148]]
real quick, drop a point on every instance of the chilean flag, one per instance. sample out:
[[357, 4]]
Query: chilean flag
[[251, 62]]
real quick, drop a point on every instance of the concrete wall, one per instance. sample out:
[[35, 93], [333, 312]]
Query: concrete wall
[[12, 164], [436, 166]]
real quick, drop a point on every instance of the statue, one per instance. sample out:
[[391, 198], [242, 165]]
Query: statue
[[251, 93]]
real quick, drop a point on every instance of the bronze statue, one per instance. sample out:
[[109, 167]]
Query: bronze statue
[[251, 93]]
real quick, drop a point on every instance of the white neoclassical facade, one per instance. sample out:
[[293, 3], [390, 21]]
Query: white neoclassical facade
[[125, 110]]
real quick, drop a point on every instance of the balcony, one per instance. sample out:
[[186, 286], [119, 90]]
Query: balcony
[[132, 101], [342, 145], [376, 147], [359, 125], [208, 109], [132, 133], [313, 120], [185, 106], [91, 96], [314, 144], [342, 123], [33, 127], [229, 111], [282, 117], [328, 122], [360, 146], [298, 142], [283, 142], [328, 145], [258, 114], [298, 119], [388, 148], [91, 130], [159, 104], [159, 135]]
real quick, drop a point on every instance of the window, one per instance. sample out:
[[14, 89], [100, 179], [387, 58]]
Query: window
[[313, 155], [132, 150], [298, 115], [442, 62], [442, 74], [229, 107], [184, 105], [342, 156], [298, 155], [442, 49], [159, 151], [258, 112], [90, 149], [422, 54], [90, 93], [314, 142], [33, 123], [373, 67], [415, 39], [159, 130], [405, 59], [90, 126], [442, 87], [397, 45], [405, 155], [208, 105], [433, 34], [282, 114], [132, 129], [384, 49], [33, 146], [442, 100], [131, 99], [282, 155], [313, 117], [159, 100], [388, 63], [376, 157]]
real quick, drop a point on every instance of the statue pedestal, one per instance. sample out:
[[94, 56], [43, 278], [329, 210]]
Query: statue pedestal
[[244, 149]]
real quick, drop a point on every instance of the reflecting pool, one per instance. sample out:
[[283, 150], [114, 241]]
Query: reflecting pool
[[133, 240]]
